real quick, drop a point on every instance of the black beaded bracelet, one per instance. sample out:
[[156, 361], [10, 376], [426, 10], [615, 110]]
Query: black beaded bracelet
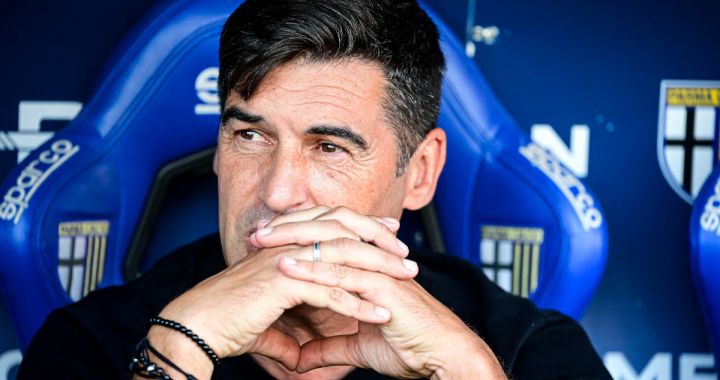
[[142, 365], [178, 327], [166, 360]]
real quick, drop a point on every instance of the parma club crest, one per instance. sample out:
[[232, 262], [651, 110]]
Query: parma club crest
[[688, 133], [510, 257], [81, 256]]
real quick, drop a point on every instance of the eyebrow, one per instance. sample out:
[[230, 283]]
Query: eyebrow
[[238, 114], [341, 132]]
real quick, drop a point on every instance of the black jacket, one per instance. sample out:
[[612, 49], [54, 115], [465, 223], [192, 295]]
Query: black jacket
[[96, 337]]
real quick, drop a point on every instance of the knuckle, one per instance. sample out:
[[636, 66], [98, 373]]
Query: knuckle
[[340, 271], [336, 294], [359, 308], [344, 244], [315, 269]]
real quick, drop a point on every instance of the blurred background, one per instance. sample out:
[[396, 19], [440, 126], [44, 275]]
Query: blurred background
[[583, 78]]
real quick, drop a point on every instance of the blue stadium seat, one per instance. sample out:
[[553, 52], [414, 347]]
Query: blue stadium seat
[[705, 254], [89, 208]]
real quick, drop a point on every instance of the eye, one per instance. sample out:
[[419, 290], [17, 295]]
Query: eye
[[328, 147], [249, 134]]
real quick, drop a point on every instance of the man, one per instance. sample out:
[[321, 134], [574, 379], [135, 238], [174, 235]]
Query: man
[[327, 134]]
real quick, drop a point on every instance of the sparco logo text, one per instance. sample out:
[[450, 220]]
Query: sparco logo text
[[710, 219], [17, 198], [575, 192]]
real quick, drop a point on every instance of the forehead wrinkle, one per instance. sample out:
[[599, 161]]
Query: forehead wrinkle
[[321, 103], [360, 77], [331, 91], [343, 99]]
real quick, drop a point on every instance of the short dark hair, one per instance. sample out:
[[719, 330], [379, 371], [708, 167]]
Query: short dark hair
[[397, 34]]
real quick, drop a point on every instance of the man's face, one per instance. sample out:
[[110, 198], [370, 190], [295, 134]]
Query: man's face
[[312, 134]]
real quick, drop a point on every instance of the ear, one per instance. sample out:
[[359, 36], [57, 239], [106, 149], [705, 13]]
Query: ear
[[424, 170]]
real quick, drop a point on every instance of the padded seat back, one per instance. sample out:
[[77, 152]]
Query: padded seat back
[[705, 254], [75, 213]]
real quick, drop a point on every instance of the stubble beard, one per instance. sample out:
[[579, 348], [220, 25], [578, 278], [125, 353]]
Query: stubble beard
[[246, 225]]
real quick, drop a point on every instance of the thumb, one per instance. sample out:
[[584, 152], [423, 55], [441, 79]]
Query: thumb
[[278, 346], [335, 350]]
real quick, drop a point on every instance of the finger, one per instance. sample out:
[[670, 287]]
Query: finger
[[301, 233], [336, 350], [298, 216], [355, 254], [328, 227], [391, 223], [337, 300], [278, 346], [370, 286], [265, 226], [379, 231]]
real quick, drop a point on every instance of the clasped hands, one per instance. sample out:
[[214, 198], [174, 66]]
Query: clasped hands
[[402, 330]]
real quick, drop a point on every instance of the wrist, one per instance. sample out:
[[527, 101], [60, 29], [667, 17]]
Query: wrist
[[181, 351], [471, 359]]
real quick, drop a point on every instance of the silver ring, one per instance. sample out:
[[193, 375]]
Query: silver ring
[[316, 252]]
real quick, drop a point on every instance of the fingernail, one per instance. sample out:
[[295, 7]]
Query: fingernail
[[264, 231], [382, 312], [403, 246], [289, 261], [392, 221], [263, 222], [410, 265]]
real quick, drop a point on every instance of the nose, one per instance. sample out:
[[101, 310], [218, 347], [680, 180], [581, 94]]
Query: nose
[[285, 186]]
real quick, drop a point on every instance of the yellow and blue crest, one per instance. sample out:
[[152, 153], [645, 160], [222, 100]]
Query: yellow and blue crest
[[688, 133], [81, 256]]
